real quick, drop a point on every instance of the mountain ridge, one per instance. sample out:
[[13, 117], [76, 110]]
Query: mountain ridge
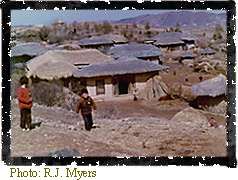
[[183, 18]]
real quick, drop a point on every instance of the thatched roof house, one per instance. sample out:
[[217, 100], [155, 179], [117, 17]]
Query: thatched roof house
[[31, 49], [187, 55], [117, 77], [169, 40], [107, 39], [172, 40], [210, 93], [115, 38], [95, 41], [207, 52], [211, 87], [136, 50], [57, 64]]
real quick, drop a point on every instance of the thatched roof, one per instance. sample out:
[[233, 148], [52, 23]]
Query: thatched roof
[[115, 38], [30, 49], [118, 68], [53, 70], [60, 63], [187, 54], [207, 51], [187, 37], [125, 58], [171, 38], [211, 87], [69, 46], [95, 40], [107, 39], [134, 50]]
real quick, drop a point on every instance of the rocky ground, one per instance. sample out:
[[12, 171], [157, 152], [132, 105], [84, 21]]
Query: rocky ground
[[123, 128]]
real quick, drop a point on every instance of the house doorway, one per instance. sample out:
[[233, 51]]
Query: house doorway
[[123, 87], [121, 84]]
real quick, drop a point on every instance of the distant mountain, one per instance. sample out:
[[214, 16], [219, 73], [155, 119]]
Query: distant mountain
[[183, 18]]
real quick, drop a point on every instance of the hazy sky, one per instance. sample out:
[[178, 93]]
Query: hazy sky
[[38, 17]]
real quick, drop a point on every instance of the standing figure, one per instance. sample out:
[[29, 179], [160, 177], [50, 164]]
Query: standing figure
[[25, 103], [86, 104]]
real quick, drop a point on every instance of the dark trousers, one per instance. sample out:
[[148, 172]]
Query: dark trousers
[[88, 121], [25, 119]]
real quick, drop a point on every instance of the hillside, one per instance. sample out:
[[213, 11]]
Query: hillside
[[120, 130], [183, 18]]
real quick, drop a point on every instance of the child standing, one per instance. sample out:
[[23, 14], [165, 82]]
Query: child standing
[[25, 104], [86, 104]]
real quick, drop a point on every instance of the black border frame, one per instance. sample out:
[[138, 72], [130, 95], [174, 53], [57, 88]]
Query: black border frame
[[229, 160]]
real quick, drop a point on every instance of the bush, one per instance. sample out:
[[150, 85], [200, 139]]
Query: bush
[[107, 27], [48, 93], [147, 26], [15, 77]]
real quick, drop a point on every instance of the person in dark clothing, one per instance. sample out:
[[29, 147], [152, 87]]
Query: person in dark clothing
[[85, 105], [24, 103]]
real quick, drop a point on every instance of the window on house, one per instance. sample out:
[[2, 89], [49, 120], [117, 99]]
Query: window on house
[[100, 87]]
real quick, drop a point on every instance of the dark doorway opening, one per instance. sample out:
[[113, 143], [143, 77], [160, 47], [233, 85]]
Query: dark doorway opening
[[123, 87]]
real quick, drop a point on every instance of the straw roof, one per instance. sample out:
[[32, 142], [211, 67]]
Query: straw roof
[[60, 63], [207, 51], [118, 68], [29, 49], [187, 54], [134, 50], [116, 38], [107, 39], [69, 46], [171, 38], [53, 70], [168, 41], [125, 58], [211, 87], [95, 40]]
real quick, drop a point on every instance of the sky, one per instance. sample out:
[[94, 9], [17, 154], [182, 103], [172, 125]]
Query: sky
[[46, 17]]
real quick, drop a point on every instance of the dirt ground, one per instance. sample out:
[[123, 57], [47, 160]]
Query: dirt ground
[[123, 128]]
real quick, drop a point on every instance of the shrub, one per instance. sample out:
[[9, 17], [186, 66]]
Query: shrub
[[15, 77], [48, 93]]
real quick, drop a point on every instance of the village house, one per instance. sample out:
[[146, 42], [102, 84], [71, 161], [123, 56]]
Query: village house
[[26, 51], [209, 93], [58, 66], [170, 41], [103, 42], [189, 40], [186, 56], [207, 52], [118, 77], [146, 52]]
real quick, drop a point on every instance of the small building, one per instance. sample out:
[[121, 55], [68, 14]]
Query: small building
[[115, 38], [210, 92], [103, 42], [58, 65], [173, 41], [136, 50], [169, 41], [187, 55], [208, 52], [26, 51], [117, 77], [189, 41]]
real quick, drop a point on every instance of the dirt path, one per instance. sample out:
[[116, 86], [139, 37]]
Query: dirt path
[[123, 129]]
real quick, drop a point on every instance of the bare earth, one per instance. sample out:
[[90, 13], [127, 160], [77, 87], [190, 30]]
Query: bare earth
[[123, 128]]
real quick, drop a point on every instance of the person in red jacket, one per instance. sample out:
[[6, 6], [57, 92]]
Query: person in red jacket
[[25, 103]]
